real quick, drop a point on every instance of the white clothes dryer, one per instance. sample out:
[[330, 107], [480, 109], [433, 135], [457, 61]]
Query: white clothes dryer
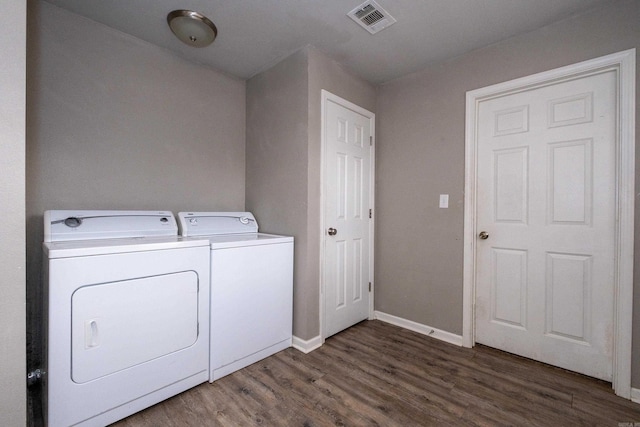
[[251, 288], [127, 314]]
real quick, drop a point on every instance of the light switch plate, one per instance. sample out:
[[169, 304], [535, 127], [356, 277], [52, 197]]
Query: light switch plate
[[444, 201]]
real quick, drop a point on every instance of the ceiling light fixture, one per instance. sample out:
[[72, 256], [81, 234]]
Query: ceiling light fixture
[[192, 28]]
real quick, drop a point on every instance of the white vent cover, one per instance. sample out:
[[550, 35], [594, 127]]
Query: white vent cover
[[370, 16]]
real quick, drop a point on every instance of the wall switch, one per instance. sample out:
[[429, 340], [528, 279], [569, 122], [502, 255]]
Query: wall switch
[[444, 201]]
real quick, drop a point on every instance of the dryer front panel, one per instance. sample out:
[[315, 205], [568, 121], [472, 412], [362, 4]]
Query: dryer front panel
[[122, 324], [125, 331]]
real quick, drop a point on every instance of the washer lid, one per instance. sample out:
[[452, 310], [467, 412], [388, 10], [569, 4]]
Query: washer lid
[[65, 225], [208, 223]]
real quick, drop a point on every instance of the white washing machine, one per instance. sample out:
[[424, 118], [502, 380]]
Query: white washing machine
[[127, 314], [251, 288]]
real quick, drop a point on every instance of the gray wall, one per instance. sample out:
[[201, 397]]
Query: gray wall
[[420, 155], [13, 33], [283, 161], [276, 167], [116, 123]]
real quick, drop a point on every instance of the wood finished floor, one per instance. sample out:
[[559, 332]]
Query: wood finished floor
[[376, 374]]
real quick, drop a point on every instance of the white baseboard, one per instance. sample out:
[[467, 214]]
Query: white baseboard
[[635, 395], [420, 328], [307, 346]]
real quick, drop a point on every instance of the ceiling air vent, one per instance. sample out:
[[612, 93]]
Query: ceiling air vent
[[370, 16]]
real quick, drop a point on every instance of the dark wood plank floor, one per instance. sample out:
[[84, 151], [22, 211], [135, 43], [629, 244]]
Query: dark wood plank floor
[[376, 374]]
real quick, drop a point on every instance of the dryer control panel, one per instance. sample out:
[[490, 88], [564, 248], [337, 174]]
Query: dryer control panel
[[65, 225]]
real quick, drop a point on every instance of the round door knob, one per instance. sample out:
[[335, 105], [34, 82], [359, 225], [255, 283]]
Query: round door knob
[[483, 235], [332, 231]]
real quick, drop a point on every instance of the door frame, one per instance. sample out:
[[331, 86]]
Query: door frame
[[623, 63], [327, 97]]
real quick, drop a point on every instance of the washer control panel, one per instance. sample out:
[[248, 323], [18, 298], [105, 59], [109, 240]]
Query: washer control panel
[[209, 223]]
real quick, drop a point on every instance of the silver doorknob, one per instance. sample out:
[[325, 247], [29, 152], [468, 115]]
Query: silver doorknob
[[483, 235], [332, 231]]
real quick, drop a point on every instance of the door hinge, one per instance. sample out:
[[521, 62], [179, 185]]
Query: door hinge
[[370, 140], [370, 213], [34, 377], [369, 286]]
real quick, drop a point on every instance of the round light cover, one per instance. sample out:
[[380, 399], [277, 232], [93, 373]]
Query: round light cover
[[192, 28]]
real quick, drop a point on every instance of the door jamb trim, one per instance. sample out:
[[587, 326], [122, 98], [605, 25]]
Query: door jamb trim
[[326, 97], [624, 64]]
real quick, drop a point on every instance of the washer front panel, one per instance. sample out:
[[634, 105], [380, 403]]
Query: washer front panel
[[251, 300]]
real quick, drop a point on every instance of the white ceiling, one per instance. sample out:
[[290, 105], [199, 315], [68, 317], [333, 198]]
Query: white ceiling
[[253, 35]]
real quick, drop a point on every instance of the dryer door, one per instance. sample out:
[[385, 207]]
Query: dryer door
[[122, 324], [125, 329]]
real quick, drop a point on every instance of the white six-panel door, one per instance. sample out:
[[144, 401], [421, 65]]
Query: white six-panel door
[[546, 199], [347, 200]]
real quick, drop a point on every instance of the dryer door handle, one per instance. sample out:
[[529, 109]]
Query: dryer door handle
[[91, 336]]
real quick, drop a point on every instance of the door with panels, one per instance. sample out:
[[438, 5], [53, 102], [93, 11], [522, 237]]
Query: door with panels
[[546, 217], [347, 195]]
